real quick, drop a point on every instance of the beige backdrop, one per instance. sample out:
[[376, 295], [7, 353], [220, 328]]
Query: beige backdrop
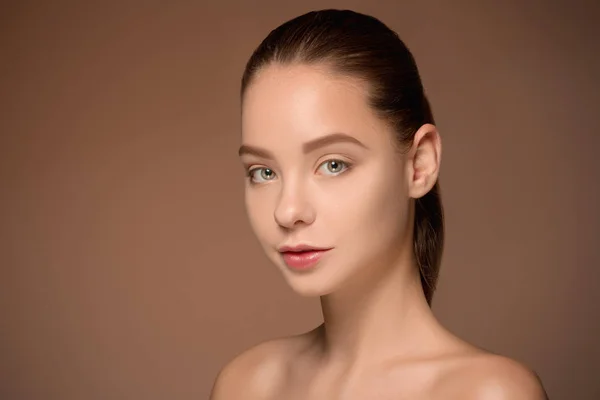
[[128, 269]]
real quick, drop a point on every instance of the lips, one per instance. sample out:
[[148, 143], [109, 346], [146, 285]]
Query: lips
[[302, 257]]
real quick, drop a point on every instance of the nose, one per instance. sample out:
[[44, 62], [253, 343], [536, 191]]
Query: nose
[[293, 207]]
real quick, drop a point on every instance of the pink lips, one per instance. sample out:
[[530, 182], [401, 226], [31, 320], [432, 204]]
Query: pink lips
[[302, 257]]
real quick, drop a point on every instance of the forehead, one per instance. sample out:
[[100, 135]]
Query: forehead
[[290, 104]]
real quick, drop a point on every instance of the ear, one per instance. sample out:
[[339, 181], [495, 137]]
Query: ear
[[423, 161]]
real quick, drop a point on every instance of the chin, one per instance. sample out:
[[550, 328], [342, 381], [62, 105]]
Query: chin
[[314, 283], [309, 289]]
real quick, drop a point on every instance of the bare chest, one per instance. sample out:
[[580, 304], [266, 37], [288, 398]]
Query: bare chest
[[390, 385]]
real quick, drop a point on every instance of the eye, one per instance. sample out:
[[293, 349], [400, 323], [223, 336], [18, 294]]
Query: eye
[[334, 167], [260, 175]]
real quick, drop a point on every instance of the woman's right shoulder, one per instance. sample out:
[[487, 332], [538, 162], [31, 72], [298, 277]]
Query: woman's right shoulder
[[257, 372]]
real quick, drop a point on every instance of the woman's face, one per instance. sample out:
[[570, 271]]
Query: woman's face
[[323, 172]]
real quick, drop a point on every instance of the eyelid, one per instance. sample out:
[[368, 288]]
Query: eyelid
[[248, 167], [335, 157]]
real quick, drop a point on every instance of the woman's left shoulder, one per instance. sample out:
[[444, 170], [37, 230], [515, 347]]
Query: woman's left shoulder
[[487, 376]]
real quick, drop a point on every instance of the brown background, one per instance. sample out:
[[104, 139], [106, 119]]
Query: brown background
[[128, 269]]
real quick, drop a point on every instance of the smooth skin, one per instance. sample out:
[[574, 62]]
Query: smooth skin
[[325, 170]]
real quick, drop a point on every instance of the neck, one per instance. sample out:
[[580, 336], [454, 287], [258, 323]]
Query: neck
[[373, 315]]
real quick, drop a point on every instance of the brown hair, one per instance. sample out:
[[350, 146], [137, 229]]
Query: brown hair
[[363, 47]]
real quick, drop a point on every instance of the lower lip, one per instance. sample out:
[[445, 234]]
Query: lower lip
[[303, 260]]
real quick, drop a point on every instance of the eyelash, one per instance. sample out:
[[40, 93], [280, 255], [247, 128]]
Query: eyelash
[[347, 165]]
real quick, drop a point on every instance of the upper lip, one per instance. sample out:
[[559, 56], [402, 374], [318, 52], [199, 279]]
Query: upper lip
[[301, 247]]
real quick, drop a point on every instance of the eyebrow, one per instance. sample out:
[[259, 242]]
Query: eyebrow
[[307, 147]]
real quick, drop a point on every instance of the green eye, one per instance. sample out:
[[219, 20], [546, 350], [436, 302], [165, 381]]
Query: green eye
[[258, 175], [333, 167]]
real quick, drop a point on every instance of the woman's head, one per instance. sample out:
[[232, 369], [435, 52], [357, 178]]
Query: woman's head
[[341, 150]]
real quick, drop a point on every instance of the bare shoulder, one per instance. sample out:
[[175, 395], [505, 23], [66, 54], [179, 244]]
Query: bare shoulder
[[258, 372], [253, 373], [487, 376]]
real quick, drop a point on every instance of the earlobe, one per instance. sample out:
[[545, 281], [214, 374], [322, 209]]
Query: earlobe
[[424, 161]]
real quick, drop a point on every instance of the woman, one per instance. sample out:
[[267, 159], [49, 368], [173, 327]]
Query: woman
[[342, 159]]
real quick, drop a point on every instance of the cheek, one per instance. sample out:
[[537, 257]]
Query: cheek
[[376, 212]]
